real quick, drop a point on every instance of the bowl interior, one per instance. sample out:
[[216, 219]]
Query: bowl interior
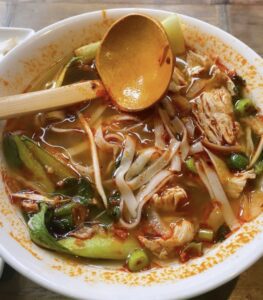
[[61, 273]]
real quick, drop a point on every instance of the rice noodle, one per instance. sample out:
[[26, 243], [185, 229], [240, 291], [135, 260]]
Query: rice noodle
[[196, 148], [140, 162], [176, 163], [190, 126], [159, 133], [249, 142], [115, 127], [220, 196], [126, 193], [37, 197], [56, 115], [96, 115], [257, 153], [167, 103], [145, 194], [95, 159], [155, 167], [114, 136], [180, 128], [175, 126], [39, 119], [196, 87], [123, 117], [204, 179], [225, 149], [166, 121], [86, 171], [103, 144], [65, 130]]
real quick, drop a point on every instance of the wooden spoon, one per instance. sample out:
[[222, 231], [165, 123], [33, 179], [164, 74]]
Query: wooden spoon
[[134, 61]]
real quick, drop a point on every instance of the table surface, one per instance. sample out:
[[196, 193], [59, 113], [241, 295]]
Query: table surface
[[242, 18]]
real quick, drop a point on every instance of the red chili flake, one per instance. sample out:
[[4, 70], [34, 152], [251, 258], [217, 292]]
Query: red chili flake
[[120, 233]]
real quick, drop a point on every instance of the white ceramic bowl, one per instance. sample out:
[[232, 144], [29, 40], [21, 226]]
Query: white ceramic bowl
[[81, 279], [19, 34]]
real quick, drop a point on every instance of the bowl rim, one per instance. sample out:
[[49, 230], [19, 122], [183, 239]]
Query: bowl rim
[[195, 290]]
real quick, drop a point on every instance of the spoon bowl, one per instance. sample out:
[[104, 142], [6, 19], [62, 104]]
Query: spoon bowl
[[135, 62]]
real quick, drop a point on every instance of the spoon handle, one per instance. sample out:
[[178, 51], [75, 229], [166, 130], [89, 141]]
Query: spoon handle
[[16, 105]]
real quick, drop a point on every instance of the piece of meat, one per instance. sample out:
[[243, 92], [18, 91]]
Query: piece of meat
[[168, 199], [235, 184], [220, 77], [182, 232], [155, 225], [214, 113], [251, 205], [197, 63]]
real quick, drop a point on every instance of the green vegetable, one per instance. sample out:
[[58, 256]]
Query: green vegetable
[[259, 165], [194, 249], [64, 224], [103, 246], [118, 162], [116, 213], [88, 52], [175, 35], [114, 198], [113, 208], [240, 83], [222, 233], [244, 107], [238, 161], [11, 153], [137, 260], [61, 76], [205, 235], [64, 210], [36, 169], [46, 159], [39, 233], [190, 164], [101, 216], [79, 188]]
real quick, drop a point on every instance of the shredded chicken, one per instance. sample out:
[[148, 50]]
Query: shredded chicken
[[219, 77], [213, 111], [182, 232], [168, 199], [178, 80], [251, 205], [215, 218], [197, 63], [235, 184], [155, 224]]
